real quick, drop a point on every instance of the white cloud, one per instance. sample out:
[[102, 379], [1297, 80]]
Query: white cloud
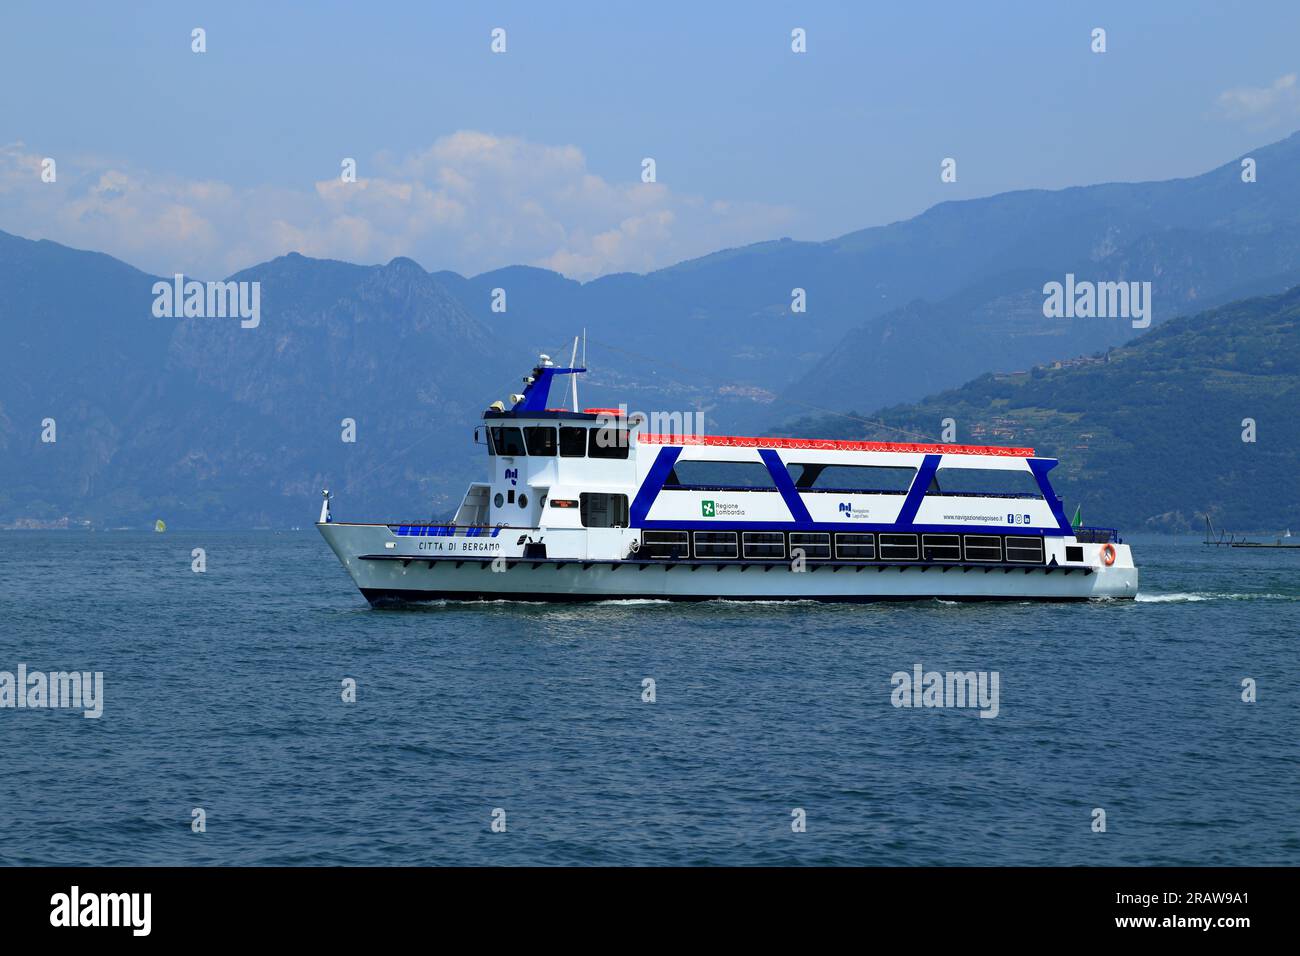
[[471, 201], [1262, 104]]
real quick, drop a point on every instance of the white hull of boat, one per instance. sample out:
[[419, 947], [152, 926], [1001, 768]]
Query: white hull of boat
[[389, 569]]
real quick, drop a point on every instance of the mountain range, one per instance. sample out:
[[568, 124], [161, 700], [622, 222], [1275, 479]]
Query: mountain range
[[1198, 417], [204, 423]]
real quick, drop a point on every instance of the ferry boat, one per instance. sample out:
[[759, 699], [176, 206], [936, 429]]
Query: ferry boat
[[592, 506]]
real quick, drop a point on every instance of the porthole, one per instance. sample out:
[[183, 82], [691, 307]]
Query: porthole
[[499, 500], [523, 501]]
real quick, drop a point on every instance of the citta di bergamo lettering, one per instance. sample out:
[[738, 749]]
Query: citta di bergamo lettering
[[923, 688], [192, 299], [1100, 300], [102, 909], [76, 689]]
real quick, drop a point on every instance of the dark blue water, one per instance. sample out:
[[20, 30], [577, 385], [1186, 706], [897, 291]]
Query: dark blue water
[[222, 691]]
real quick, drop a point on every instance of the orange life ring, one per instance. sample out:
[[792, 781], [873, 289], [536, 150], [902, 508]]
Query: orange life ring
[[1108, 554]]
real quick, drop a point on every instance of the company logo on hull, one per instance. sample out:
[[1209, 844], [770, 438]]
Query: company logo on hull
[[860, 514]]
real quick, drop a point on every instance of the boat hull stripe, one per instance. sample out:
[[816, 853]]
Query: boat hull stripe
[[653, 484], [781, 477], [915, 494]]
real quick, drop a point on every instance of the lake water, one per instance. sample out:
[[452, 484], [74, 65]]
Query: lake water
[[222, 691]]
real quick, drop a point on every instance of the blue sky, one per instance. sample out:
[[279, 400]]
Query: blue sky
[[469, 160]]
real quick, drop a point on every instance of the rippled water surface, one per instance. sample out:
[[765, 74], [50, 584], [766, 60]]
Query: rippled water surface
[[222, 691]]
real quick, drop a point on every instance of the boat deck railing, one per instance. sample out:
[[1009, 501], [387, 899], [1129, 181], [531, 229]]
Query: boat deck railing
[[1097, 535]]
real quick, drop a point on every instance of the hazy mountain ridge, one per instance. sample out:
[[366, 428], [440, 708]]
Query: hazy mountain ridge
[[1150, 435], [203, 422]]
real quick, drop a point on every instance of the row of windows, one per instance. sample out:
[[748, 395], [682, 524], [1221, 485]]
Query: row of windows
[[847, 546], [546, 441], [541, 441], [856, 479]]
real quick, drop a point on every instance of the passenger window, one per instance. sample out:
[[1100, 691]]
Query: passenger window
[[573, 442], [985, 483], [842, 479], [721, 475]]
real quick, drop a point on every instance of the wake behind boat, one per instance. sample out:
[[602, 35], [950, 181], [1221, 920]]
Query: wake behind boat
[[588, 506]]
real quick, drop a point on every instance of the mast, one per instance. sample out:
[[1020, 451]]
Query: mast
[[572, 364]]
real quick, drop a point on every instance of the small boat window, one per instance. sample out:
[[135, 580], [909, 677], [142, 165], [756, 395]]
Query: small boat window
[[1025, 550], [985, 483], [855, 547], [715, 544], [898, 547], [600, 510], [672, 545], [983, 547], [941, 547], [813, 544], [541, 440], [763, 544], [573, 442], [607, 443], [508, 441], [864, 479]]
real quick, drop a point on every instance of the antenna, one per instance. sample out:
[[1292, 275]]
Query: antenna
[[573, 375]]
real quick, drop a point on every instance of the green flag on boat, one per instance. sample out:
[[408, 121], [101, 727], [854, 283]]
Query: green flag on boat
[[1077, 521]]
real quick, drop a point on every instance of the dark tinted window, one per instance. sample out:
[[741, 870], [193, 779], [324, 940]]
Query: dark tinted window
[[541, 440], [508, 441], [996, 482], [885, 479], [607, 443], [897, 547], [763, 544], [720, 474], [813, 544], [600, 510], [715, 544], [573, 442]]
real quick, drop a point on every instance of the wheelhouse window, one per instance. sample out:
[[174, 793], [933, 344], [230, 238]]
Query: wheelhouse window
[[985, 483], [607, 443], [507, 441], [573, 442], [720, 476], [540, 440], [862, 479]]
